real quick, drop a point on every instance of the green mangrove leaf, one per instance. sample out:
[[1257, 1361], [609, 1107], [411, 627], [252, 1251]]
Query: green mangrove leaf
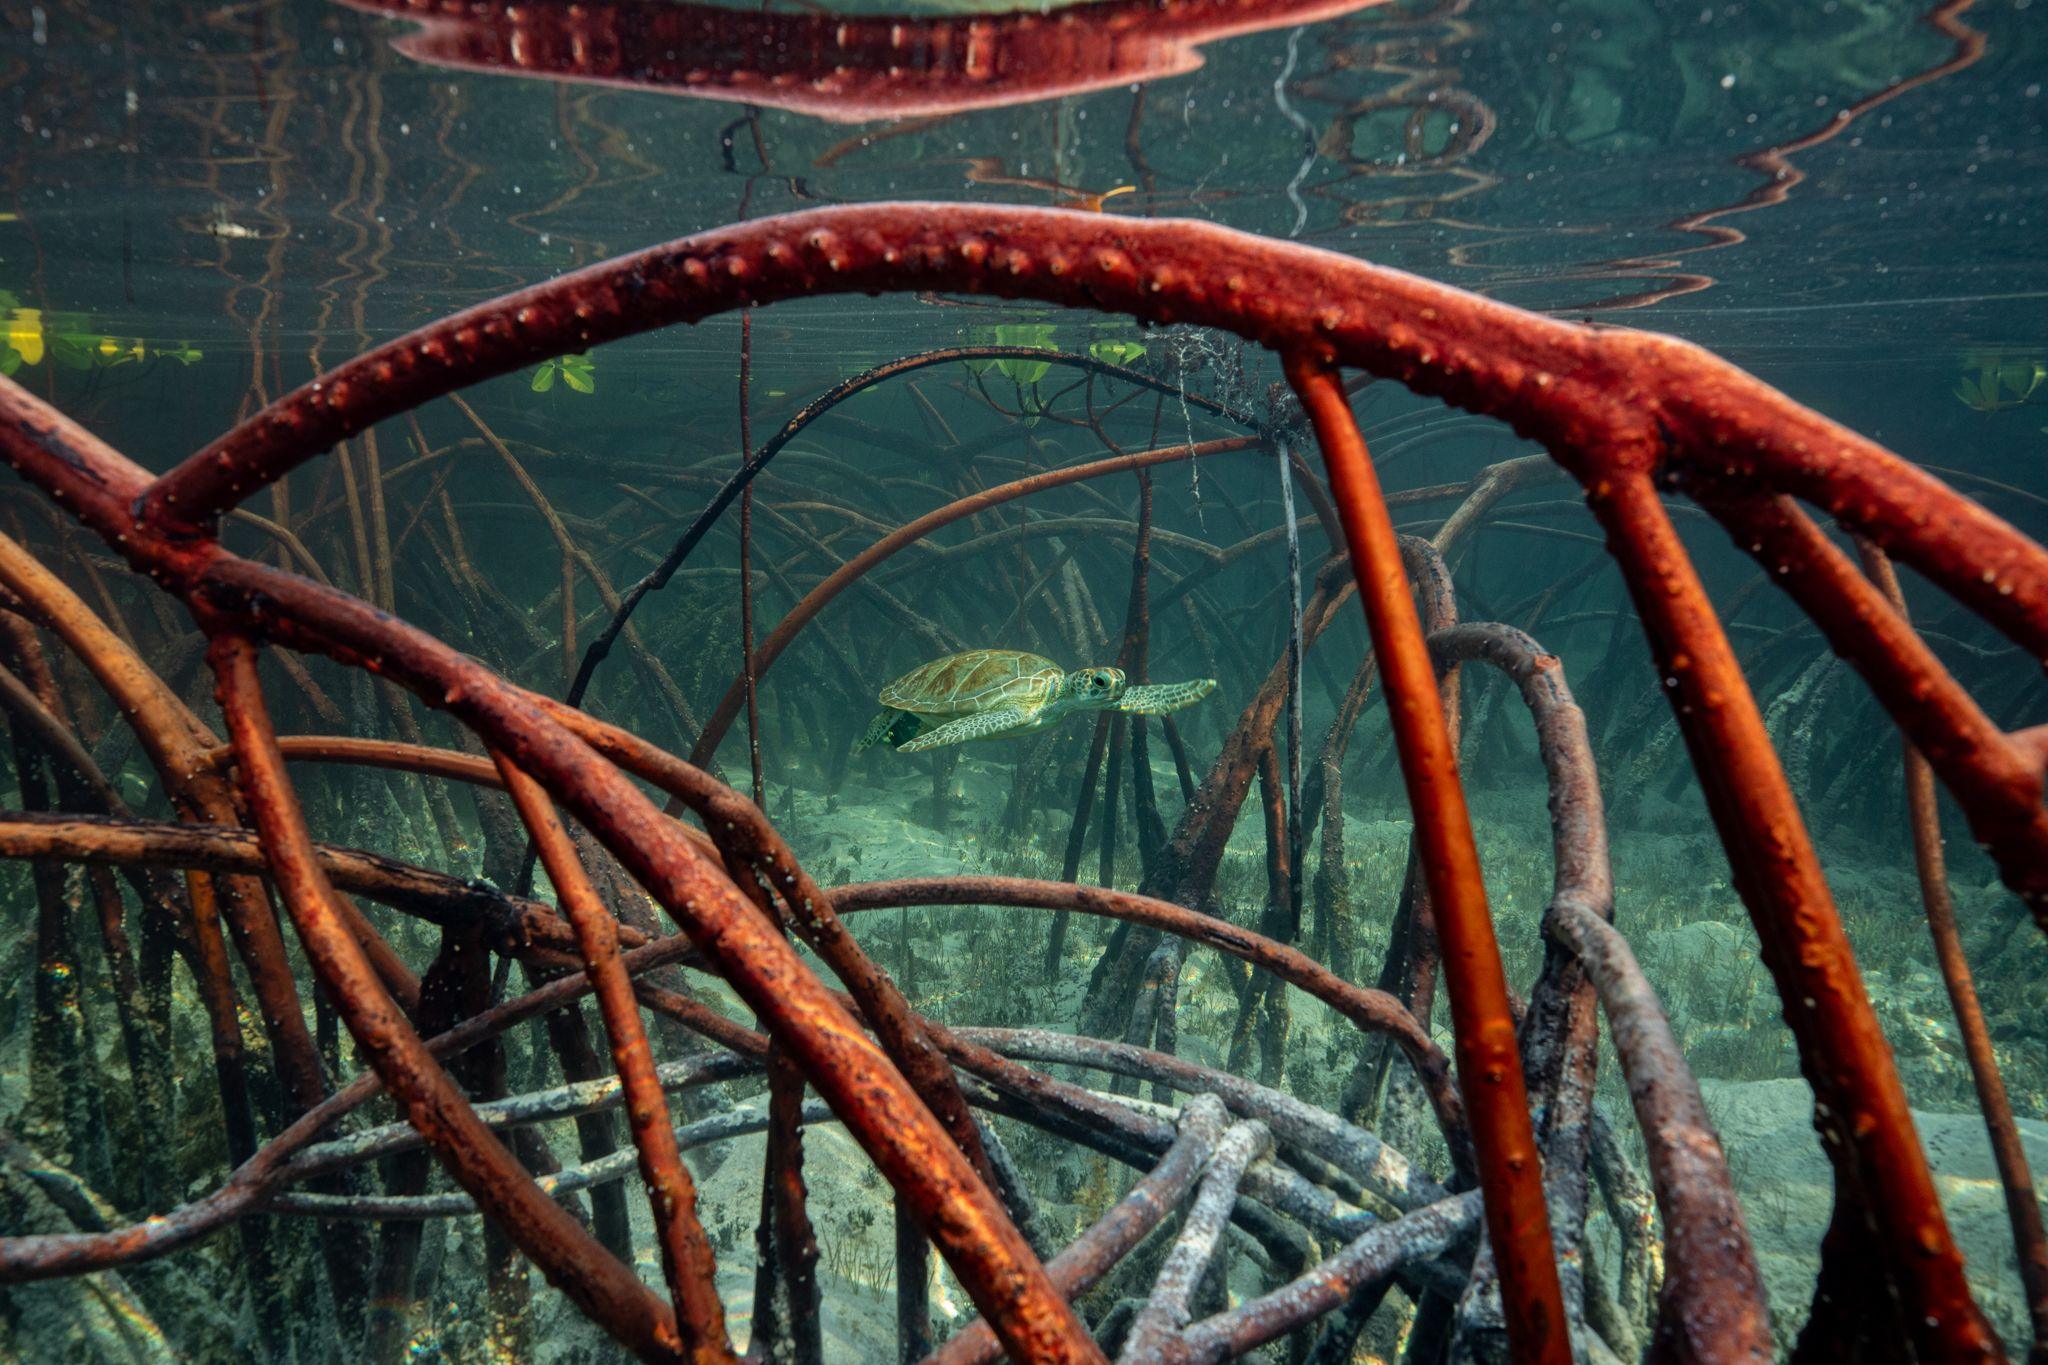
[[1042, 336], [979, 336], [2021, 378], [1037, 334], [1115, 352], [74, 350], [10, 360], [577, 371], [2004, 377], [114, 351]]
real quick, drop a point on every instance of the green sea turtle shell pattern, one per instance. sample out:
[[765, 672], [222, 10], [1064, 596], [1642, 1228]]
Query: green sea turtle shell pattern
[[974, 681]]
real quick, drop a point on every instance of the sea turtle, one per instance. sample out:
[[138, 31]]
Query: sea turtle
[[987, 693]]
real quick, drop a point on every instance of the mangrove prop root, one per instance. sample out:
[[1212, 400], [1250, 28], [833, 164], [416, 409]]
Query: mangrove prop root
[[590, 1275], [1713, 1294], [685, 1254], [1625, 413], [2022, 1207], [1166, 1312], [1489, 1066]]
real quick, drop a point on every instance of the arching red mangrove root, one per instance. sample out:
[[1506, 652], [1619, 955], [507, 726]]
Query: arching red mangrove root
[[1593, 397]]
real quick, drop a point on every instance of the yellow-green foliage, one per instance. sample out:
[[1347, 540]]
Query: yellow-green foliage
[[32, 336], [577, 371], [1023, 373], [1116, 351], [2000, 377]]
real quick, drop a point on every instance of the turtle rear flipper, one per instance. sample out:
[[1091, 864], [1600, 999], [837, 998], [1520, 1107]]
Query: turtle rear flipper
[[891, 728], [1156, 699]]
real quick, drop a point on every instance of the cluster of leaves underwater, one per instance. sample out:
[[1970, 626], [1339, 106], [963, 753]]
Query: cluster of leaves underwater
[[29, 337]]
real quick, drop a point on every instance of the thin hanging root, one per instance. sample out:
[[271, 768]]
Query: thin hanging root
[[746, 562], [1077, 836], [574, 554], [1295, 652], [753, 464], [1188, 872], [786, 1307], [57, 738], [2023, 1209]]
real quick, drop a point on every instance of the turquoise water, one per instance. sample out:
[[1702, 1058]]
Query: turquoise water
[[202, 207]]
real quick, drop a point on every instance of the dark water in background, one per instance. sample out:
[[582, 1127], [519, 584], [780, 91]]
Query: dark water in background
[[249, 193]]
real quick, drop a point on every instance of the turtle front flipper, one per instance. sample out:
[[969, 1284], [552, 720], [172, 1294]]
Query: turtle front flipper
[[891, 728], [980, 725], [1156, 699]]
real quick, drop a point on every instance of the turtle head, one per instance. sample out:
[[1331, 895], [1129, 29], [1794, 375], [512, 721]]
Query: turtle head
[[1094, 687]]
